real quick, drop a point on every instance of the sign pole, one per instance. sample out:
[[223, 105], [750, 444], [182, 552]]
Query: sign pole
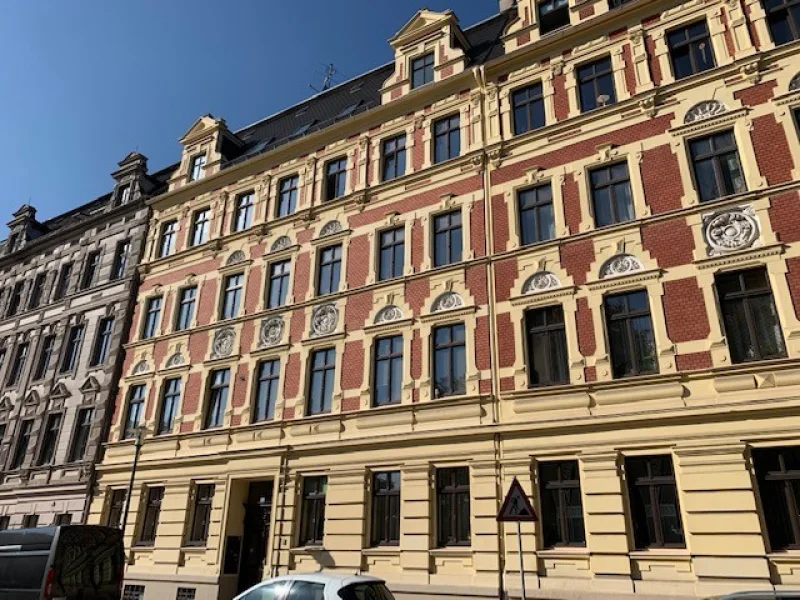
[[521, 561], [515, 509]]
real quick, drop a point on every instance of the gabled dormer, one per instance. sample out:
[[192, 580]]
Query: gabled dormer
[[22, 229], [206, 146], [431, 47], [132, 181]]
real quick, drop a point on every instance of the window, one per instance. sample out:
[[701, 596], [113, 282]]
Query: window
[[287, 198], [15, 300], [73, 349], [136, 398], [422, 70], [536, 219], [392, 253], [312, 526], [124, 194], [201, 226], [528, 107], [102, 344], [232, 301], [547, 346], [23, 440], [30, 521], [690, 50], [452, 506], [447, 243], [783, 17], [169, 231], [245, 207], [394, 157], [611, 194], [64, 275], [562, 511], [335, 178], [45, 355], [5, 522], [18, 364], [654, 502], [82, 431], [186, 304], [170, 399], [751, 321], [133, 592], [553, 14], [278, 283], [204, 495], [630, 334], [330, 270], [385, 526], [152, 317], [198, 167], [184, 593], [62, 519], [388, 386], [51, 431], [90, 269], [449, 361], [617, 3], [121, 255], [446, 139], [116, 506], [218, 397], [3, 431], [269, 374], [323, 368], [152, 511], [37, 292], [717, 170], [778, 475], [596, 84]]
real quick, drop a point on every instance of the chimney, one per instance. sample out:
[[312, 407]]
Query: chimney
[[506, 4]]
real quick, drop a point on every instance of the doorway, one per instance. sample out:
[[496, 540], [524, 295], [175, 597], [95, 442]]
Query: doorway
[[257, 516]]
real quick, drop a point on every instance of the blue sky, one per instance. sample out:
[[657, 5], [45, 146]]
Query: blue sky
[[82, 83]]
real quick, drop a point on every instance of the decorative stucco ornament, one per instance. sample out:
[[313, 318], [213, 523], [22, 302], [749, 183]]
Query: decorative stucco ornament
[[141, 367], [282, 243], [271, 332], [223, 343], [176, 360], [730, 230], [447, 301], [235, 258], [388, 314], [539, 282], [324, 320], [621, 264], [330, 228], [705, 110]]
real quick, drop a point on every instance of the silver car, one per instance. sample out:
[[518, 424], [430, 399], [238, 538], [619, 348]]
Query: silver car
[[319, 586]]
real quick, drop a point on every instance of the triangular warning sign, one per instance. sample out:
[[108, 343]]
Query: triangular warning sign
[[516, 506]]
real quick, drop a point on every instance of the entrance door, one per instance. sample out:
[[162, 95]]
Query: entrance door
[[257, 515]]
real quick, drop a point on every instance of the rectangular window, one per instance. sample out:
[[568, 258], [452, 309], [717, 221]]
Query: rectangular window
[[198, 167], [323, 369], [116, 507], [330, 270], [18, 364], [751, 321], [611, 195], [653, 495], [447, 239], [278, 283], [62, 519], [5, 522], [783, 17], [45, 356], [37, 291], [15, 300], [392, 252], [245, 208], [51, 431], [385, 525], [562, 510], [201, 517], [312, 524], [23, 441], [169, 232], [136, 397], [446, 139], [121, 256], [717, 169], [232, 300], [690, 50], [536, 217], [422, 70], [394, 157], [630, 334], [452, 506], [90, 269], [596, 84], [186, 305], [124, 194], [152, 317], [547, 346], [30, 521], [73, 350], [170, 400], [335, 178], [287, 196], [449, 361], [778, 475], [219, 386], [152, 512], [528, 107], [102, 345], [62, 286], [201, 226], [82, 431], [388, 386], [269, 375], [553, 14]]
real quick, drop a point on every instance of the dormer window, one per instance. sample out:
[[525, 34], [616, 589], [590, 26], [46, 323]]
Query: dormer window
[[553, 14], [125, 194], [198, 167], [422, 71]]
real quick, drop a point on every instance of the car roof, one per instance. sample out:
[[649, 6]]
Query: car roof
[[342, 579]]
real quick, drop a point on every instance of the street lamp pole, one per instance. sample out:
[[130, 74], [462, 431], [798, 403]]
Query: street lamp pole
[[137, 444]]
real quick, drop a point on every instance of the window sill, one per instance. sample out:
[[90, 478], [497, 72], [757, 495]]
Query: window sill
[[661, 554], [564, 552], [196, 548], [381, 551], [306, 549], [453, 551], [790, 555]]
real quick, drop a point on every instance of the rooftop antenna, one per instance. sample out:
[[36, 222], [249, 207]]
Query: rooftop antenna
[[330, 71]]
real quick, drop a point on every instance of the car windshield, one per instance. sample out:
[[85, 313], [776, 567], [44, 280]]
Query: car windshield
[[366, 591]]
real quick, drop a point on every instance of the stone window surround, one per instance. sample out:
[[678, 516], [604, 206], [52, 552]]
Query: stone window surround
[[320, 243], [536, 73], [335, 341], [255, 358], [787, 102], [448, 203], [590, 53], [400, 126], [448, 107], [392, 221], [268, 260]]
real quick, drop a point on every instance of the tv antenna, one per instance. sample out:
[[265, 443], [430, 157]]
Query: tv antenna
[[330, 71]]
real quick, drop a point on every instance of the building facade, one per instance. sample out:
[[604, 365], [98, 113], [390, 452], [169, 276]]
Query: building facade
[[561, 246], [68, 290]]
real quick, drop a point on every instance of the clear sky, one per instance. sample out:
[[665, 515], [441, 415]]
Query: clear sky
[[84, 82]]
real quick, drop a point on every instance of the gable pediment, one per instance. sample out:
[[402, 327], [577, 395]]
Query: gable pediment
[[90, 386], [5, 404], [204, 126], [59, 391], [422, 24]]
